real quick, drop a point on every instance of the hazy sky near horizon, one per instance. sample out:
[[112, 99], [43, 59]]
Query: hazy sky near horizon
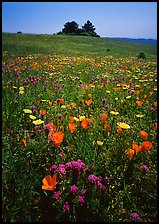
[[111, 19]]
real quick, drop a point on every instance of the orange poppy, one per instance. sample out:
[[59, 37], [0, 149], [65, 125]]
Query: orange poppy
[[71, 119], [57, 138], [137, 92], [85, 88], [49, 183], [43, 112], [89, 95], [72, 127], [145, 96], [130, 153], [147, 145], [136, 148], [155, 104], [85, 122], [24, 143], [88, 102], [117, 89], [139, 102], [123, 84], [38, 103], [150, 93], [82, 102], [119, 130], [107, 127], [62, 101], [143, 135], [52, 125], [104, 117], [73, 105]]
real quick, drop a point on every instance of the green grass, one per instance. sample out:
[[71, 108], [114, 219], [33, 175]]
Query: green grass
[[72, 45], [49, 67]]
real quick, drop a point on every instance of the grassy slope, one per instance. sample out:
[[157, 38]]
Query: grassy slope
[[72, 45]]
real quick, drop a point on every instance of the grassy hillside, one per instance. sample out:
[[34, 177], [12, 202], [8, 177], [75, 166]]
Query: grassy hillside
[[72, 45]]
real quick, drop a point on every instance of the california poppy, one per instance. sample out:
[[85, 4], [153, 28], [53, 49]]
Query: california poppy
[[49, 183], [104, 117], [88, 102], [38, 103], [72, 127], [62, 101], [130, 153], [89, 95], [137, 92], [43, 112], [52, 125], [136, 148], [119, 130], [73, 105], [139, 102], [107, 127], [85, 122], [82, 102], [24, 143], [143, 135], [147, 145], [71, 119], [57, 138], [155, 104]]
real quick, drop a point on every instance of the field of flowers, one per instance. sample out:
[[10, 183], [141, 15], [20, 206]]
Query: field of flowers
[[79, 138]]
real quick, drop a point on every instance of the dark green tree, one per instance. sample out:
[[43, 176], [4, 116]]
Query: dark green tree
[[89, 28], [70, 28]]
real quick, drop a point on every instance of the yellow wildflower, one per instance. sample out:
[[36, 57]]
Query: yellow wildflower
[[38, 122], [27, 111], [99, 143], [123, 125]]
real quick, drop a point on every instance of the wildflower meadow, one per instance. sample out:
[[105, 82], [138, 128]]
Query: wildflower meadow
[[79, 130]]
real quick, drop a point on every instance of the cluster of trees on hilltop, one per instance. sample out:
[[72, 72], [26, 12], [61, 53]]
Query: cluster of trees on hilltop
[[72, 28]]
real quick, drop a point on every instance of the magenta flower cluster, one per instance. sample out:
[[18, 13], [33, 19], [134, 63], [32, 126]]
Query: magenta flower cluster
[[76, 168], [98, 181]]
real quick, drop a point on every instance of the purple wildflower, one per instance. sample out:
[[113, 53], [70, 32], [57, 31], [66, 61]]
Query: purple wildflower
[[74, 189], [61, 169], [84, 191], [53, 167], [144, 168], [68, 166], [47, 128], [103, 100], [81, 200], [152, 109], [94, 179], [58, 100], [60, 117], [78, 166], [66, 207], [57, 195], [32, 107], [135, 217], [106, 107], [102, 187]]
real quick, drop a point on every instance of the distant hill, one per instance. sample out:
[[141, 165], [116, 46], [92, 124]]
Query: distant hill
[[138, 41]]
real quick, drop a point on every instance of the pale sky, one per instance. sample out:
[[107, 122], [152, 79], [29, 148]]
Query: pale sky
[[111, 19]]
